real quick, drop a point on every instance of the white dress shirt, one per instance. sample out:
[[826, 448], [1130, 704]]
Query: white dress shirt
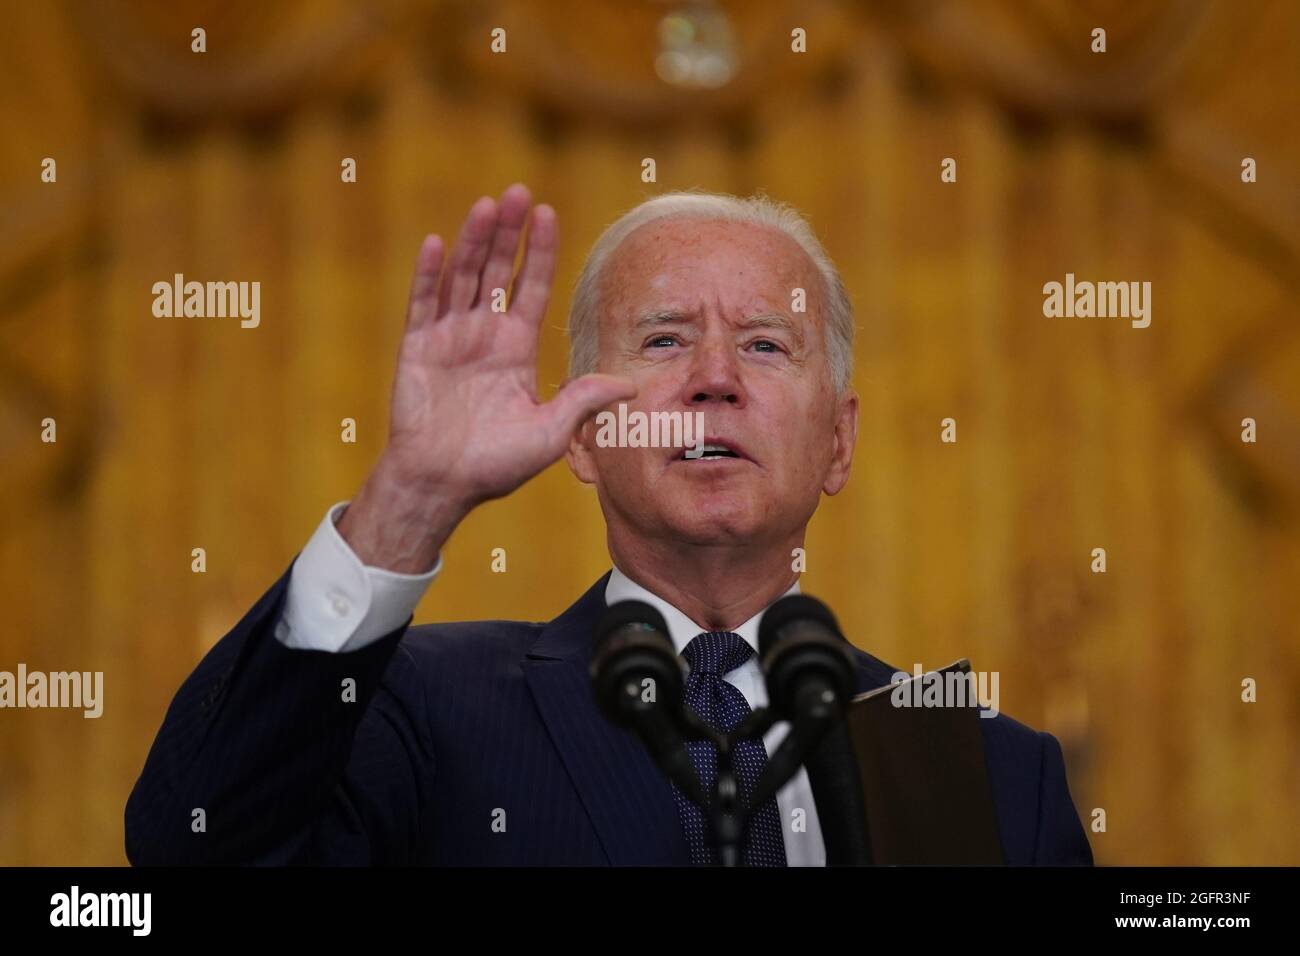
[[336, 603]]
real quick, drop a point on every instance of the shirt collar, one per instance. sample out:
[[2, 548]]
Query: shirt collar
[[681, 628]]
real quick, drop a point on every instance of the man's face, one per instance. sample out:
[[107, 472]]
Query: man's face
[[700, 315]]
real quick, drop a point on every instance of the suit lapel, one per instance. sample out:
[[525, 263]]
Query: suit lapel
[[627, 797]]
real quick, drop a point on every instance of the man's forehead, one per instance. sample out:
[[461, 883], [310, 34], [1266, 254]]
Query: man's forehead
[[767, 260], [690, 236]]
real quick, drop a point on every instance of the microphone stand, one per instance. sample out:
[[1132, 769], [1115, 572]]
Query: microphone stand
[[727, 812]]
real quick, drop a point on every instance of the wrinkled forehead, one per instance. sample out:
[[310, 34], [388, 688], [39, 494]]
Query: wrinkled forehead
[[680, 262]]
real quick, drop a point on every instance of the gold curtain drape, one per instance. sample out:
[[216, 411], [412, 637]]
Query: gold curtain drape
[[175, 434]]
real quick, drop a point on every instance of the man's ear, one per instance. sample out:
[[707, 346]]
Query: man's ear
[[578, 454], [846, 437]]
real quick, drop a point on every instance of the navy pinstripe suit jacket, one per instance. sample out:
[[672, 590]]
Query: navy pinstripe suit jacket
[[453, 727]]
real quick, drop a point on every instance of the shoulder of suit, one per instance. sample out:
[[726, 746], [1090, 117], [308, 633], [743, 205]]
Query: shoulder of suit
[[1007, 739], [426, 642]]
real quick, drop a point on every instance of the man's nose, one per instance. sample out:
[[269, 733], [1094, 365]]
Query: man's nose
[[715, 374]]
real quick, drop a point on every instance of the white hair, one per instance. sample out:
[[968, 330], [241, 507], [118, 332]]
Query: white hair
[[584, 314]]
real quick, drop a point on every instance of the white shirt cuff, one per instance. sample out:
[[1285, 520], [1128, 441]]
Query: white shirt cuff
[[336, 603]]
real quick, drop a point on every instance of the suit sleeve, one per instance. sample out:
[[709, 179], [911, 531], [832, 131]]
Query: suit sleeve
[[275, 755], [1061, 839]]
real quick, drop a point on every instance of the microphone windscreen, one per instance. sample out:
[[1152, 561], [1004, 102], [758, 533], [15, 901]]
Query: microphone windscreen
[[795, 607], [625, 613]]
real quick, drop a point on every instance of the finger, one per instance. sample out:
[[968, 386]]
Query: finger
[[532, 287], [582, 398], [505, 243], [460, 281], [422, 304]]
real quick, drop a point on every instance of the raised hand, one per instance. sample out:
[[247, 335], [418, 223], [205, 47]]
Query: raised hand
[[466, 424]]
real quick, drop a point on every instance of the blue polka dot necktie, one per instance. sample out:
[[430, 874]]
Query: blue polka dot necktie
[[710, 656]]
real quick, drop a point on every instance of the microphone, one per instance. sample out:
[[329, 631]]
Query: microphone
[[801, 650], [809, 672], [638, 678]]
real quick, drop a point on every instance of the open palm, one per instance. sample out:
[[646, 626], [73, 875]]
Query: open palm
[[465, 411]]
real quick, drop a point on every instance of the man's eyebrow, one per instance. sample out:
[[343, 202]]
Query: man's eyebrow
[[660, 317], [764, 320], [769, 320]]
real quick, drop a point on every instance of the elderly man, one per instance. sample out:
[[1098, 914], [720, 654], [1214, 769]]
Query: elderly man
[[323, 728]]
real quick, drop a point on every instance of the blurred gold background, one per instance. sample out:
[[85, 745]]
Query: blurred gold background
[[1073, 433]]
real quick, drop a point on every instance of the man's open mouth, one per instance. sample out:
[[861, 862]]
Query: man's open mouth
[[712, 451]]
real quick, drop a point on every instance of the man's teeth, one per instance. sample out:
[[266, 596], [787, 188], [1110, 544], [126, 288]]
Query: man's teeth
[[716, 451]]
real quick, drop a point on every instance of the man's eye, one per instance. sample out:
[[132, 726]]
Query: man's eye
[[766, 345], [657, 341]]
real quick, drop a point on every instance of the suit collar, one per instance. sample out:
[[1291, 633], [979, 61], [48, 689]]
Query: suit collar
[[569, 636], [681, 629]]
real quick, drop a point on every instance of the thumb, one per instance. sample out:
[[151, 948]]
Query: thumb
[[583, 397]]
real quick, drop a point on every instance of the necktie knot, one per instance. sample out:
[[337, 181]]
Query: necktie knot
[[717, 652]]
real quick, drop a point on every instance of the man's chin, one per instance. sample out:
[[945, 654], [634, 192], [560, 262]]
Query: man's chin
[[714, 523]]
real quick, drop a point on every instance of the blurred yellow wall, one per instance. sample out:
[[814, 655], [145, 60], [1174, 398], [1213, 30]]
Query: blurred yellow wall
[[1072, 434]]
